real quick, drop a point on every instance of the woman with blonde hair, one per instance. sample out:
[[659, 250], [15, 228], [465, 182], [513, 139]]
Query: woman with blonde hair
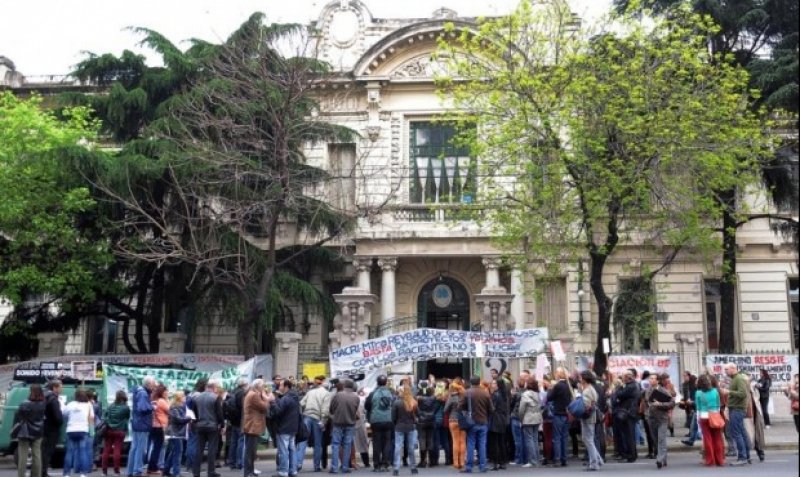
[[459, 436], [176, 433], [404, 417]]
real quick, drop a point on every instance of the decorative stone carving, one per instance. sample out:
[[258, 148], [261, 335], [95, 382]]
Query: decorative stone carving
[[387, 264], [495, 305], [351, 325]]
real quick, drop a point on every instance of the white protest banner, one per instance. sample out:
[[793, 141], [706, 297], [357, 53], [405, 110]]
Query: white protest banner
[[542, 366], [426, 343], [781, 367], [128, 377], [653, 363], [558, 351]]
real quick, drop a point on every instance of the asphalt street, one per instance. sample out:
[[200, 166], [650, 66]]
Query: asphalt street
[[777, 463]]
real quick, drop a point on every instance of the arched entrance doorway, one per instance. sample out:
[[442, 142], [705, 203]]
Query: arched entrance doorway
[[443, 303]]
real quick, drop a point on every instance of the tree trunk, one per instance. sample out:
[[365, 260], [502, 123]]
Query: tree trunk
[[156, 310], [727, 320], [604, 306]]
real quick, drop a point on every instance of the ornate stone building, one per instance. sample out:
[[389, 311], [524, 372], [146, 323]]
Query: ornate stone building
[[413, 261]]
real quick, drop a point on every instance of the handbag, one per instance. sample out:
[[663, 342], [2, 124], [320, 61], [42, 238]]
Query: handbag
[[100, 429], [15, 430], [465, 420], [715, 420]]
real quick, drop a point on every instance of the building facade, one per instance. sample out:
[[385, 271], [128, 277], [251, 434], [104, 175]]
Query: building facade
[[414, 261]]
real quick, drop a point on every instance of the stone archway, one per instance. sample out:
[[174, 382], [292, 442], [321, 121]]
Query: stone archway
[[444, 303]]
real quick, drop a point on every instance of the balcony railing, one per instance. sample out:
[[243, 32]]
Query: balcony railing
[[436, 212], [396, 325]]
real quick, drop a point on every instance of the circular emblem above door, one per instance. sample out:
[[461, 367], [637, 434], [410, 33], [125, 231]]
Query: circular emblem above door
[[442, 295]]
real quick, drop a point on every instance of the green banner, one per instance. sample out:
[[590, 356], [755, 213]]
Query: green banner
[[127, 377]]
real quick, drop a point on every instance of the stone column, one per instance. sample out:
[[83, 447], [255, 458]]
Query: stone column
[[172, 342], [518, 302], [388, 265], [51, 344], [492, 264], [286, 353], [351, 325], [363, 266], [690, 352]]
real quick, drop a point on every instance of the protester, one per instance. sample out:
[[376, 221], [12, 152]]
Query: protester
[[644, 412], [160, 422], [426, 405], [600, 424], [499, 422], [459, 436], [405, 413], [209, 420], [530, 416], [30, 418], [175, 434], [316, 407], [254, 415], [379, 414], [661, 400], [755, 421], [516, 424], [707, 399], [737, 394], [763, 385], [344, 411], [286, 415], [53, 420], [589, 398], [441, 433], [626, 411], [793, 393], [141, 424], [191, 441], [558, 397], [79, 416], [117, 417], [688, 388], [233, 414], [360, 438], [479, 403]]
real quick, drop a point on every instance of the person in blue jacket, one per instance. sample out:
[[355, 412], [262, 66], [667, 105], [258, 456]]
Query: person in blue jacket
[[141, 423]]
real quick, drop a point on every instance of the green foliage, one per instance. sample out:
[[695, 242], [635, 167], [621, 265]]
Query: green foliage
[[633, 311], [44, 251]]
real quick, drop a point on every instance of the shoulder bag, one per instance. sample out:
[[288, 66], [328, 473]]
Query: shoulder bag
[[465, 420]]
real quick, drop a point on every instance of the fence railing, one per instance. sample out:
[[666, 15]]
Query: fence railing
[[396, 325]]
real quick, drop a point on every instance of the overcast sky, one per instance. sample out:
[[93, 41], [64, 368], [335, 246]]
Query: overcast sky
[[44, 37]]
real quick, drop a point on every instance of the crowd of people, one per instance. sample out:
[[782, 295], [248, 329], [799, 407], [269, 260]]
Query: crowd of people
[[505, 420]]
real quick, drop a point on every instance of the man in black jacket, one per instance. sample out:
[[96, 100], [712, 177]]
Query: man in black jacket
[[600, 424], [233, 411], [53, 420], [626, 408], [207, 407], [285, 413], [558, 397], [379, 414]]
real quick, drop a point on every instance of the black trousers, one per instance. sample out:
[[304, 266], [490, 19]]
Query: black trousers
[[382, 444], [49, 441], [250, 448], [764, 408], [651, 441], [629, 438], [210, 437], [498, 448]]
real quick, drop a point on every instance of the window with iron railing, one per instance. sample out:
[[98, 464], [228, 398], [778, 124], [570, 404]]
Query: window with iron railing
[[442, 171]]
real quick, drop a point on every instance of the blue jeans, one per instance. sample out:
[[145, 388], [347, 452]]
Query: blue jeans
[[234, 457], [136, 453], [286, 451], [315, 435], [407, 439], [531, 437], [76, 455], [476, 435], [441, 441], [738, 433], [519, 445], [560, 433], [341, 437], [191, 446], [172, 458]]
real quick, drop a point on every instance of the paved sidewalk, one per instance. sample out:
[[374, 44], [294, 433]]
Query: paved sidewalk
[[781, 436]]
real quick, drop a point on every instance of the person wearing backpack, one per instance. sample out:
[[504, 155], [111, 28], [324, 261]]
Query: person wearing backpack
[[233, 414], [379, 414], [590, 398], [29, 429]]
